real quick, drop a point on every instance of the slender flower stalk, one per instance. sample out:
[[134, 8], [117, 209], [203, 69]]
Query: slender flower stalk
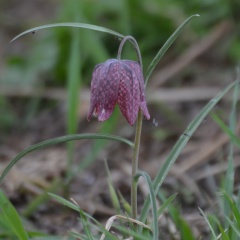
[[135, 164], [121, 81], [136, 147]]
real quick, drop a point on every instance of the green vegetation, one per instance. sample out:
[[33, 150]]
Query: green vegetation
[[62, 54]]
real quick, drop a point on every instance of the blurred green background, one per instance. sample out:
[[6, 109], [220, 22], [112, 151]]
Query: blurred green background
[[42, 60]]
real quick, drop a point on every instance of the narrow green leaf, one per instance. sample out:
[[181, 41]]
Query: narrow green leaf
[[235, 228], [73, 87], [125, 204], [71, 24], [165, 47], [86, 225], [233, 206], [165, 204], [238, 200], [65, 202], [226, 129], [131, 233], [209, 225], [113, 194], [181, 143], [229, 178], [224, 233], [77, 208], [185, 229], [153, 201], [62, 139], [78, 236], [11, 217]]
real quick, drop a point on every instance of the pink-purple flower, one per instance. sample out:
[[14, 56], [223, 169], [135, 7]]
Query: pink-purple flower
[[118, 81]]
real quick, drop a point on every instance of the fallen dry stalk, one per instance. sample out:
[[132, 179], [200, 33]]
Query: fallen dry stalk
[[113, 218]]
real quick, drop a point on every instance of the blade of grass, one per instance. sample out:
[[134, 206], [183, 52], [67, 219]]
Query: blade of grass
[[86, 225], [233, 206], [70, 24], [58, 140], [238, 201], [153, 201], [223, 235], [73, 88], [229, 178], [209, 224], [226, 129], [113, 194], [11, 217], [165, 204], [78, 236], [77, 208], [131, 233], [185, 229], [165, 47], [181, 143], [125, 204], [235, 228]]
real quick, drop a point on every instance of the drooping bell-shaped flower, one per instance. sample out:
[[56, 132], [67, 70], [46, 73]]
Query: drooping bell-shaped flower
[[118, 81]]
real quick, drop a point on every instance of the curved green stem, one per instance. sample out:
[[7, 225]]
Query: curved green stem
[[135, 164], [136, 47]]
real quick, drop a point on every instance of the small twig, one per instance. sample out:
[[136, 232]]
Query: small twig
[[113, 218]]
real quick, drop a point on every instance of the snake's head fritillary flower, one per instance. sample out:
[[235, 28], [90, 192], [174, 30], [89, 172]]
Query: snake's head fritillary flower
[[118, 81]]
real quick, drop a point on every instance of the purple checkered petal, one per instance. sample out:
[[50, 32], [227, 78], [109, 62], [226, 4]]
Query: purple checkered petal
[[129, 93], [104, 89], [118, 81], [138, 71]]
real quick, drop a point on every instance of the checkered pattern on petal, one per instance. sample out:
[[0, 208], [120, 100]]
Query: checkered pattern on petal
[[118, 81], [104, 89], [129, 93], [138, 71]]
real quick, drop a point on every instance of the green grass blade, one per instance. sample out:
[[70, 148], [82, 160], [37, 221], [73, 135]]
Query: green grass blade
[[233, 206], [165, 47], [65, 202], [131, 233], [57, 140], [11, 217], [78, 236], [165, 204], [238, 200], [71, 24], [86, 225], [73, 87], [229, 179], [209, 224], [126, 206], [235, 228], [113, 194], [224, 234], [226, 129], [77, 208], [153, 201], [181, 143], [185, 229]]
